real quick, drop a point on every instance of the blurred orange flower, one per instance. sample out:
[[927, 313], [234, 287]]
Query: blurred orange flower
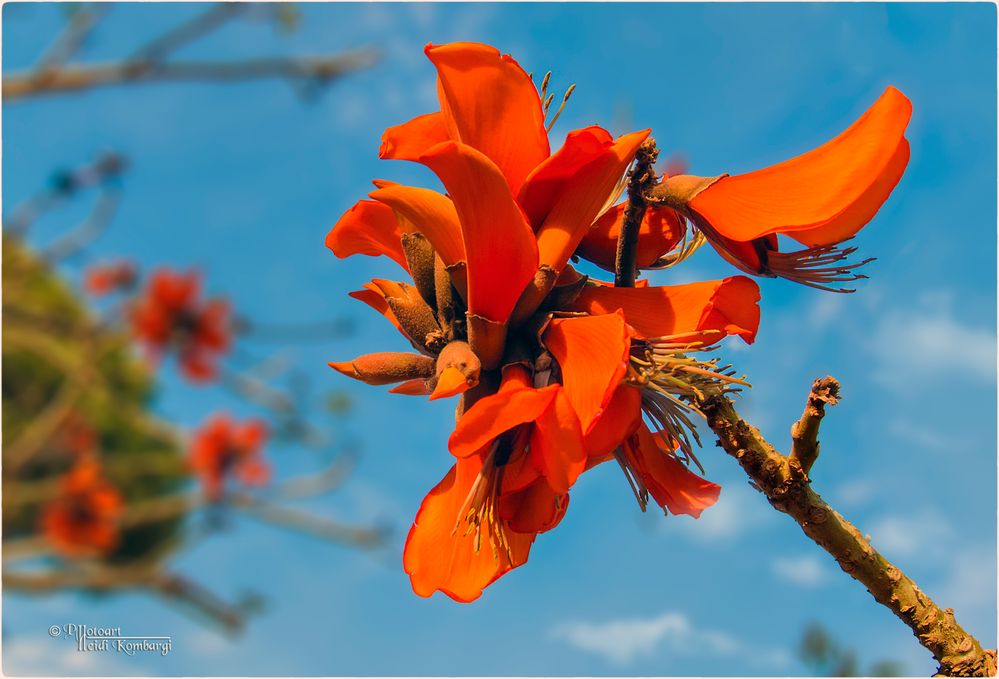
[[83, 519], [223, 449], [170, 315], [554, 370], [103, 279]]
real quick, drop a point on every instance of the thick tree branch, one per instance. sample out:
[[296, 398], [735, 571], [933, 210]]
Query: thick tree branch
[[805, 432], [787, 488], [73, 78], [643, 178]]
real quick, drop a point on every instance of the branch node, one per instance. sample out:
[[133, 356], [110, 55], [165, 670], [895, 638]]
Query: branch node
[[805, 432]]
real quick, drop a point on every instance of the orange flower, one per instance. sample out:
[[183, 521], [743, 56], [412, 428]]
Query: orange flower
[[222, 448], [103, 279], [83, 519], [554, 370], [820, 199], [171, 315]]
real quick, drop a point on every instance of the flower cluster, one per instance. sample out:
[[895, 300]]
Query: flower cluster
[[223, 449], [557, 372], [170, 315], [83, 519]]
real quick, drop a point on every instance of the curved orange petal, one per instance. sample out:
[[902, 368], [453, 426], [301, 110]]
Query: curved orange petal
[[493, 415], [670, 483], [592, 352], [557, 443], [816, 188], [546, 182], [500, 250], [431, 213], [489, 102], [367, 228], [619, 420], [374, 298], [437, 557], [411, 139], [659, 232], [534, 509], [583, 199], [696, 311], [853, 219]]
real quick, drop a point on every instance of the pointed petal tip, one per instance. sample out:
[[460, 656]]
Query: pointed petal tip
[[450, 383]]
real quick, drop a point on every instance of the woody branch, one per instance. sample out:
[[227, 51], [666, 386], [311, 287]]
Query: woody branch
[[55, 75], [784, 480]]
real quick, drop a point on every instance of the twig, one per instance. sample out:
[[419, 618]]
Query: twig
[[74, 78], [192, 29], [106, 578], [285, 332], [788, 490], [80, 25], [297, 519], [643, 178], [805, 432], [87, 231]]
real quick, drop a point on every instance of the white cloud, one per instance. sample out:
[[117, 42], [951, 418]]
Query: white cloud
[[922, 436], [29, 657], [804, 571], [929, 342], [625, 640], [907, 535]]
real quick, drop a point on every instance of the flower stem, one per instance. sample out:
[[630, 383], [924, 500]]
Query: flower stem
[[643, 178]]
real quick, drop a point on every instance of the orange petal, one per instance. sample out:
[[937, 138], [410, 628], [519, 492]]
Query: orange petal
[[592, 352], [411, 139], [490, 103], [659, 232], [670, 483], [431, 213], [583, 200], [620, 419], [450, 383], [500, 249], [548, 180], [534, 509], [373, 297], [417, 387], [440, 558], [728, 306], [851, 220], [493, 415], [557, 444], [848, 177], [368, 228]]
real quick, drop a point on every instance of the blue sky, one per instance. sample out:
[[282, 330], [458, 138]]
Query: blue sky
[[246, 179]]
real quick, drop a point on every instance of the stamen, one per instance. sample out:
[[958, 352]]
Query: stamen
[[688, 246], [634, 480], [479, 510], [565, 100], [672, 383], [810, 267], [544, 86], [544, 106]]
